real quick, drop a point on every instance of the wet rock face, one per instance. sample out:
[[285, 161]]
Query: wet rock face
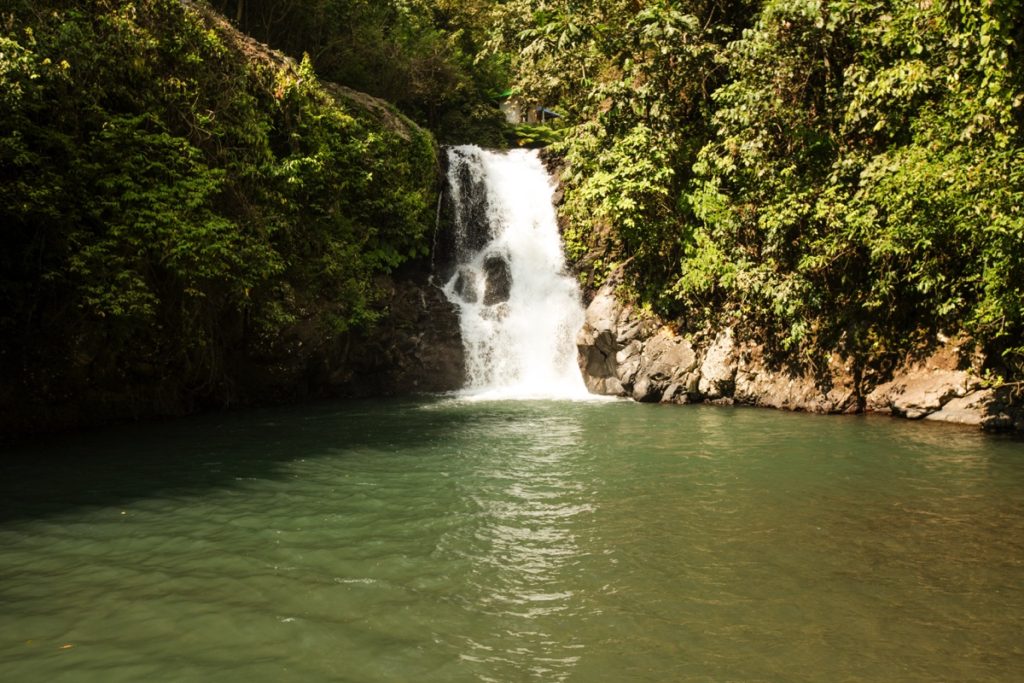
[[474, 212], [417, 347], [470, 209], [497, 282], [465, 286], [498, 279]]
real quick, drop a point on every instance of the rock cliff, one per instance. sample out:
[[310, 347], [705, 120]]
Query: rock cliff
[[624, 351], [247, 235], [414, 347]]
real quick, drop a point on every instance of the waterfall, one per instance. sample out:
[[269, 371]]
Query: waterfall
[[504, 269]]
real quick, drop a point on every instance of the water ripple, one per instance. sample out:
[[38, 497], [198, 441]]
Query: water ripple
[[447, 541]]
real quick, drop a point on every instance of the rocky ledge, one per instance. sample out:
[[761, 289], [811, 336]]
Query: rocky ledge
[[624, 352], [415, 347]]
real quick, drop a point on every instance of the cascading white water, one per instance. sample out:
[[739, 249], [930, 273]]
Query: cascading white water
[[520, 310]]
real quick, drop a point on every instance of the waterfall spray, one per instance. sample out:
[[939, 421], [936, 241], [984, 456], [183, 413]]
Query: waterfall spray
[[520, 310]]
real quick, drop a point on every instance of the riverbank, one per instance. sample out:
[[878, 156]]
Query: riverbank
[[626, 351]]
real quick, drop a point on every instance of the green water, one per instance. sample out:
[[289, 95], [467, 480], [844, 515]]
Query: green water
[[439, 541]]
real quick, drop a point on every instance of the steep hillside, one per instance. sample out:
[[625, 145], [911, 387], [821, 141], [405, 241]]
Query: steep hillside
[[190, 219]]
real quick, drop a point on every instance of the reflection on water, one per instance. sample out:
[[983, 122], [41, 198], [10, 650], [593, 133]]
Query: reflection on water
[[451, 541], [526, 483]]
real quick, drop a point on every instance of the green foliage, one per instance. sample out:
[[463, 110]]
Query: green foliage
[[634, 197], [834, 174], [533, 135], [359, 198], [635, 86], [421, 55], [174, 202], [864, 153]]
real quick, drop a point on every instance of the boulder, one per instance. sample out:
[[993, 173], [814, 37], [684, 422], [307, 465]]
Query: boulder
[[663, 362], [624, 351], [628, 361], [603, 311], [972, 409], [600, 356], [791, 389], [920, 389], [597, 344], [465, 286], [718, 370], [497, 280]]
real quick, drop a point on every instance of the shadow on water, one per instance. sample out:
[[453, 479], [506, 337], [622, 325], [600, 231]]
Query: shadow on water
[[439, 539], [115, 466]]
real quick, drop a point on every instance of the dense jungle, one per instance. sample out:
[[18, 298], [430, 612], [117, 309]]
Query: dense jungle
[[182, 205]]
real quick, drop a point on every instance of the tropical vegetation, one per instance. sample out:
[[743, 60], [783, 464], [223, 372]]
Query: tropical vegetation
[[177, 201], [831, 174]]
